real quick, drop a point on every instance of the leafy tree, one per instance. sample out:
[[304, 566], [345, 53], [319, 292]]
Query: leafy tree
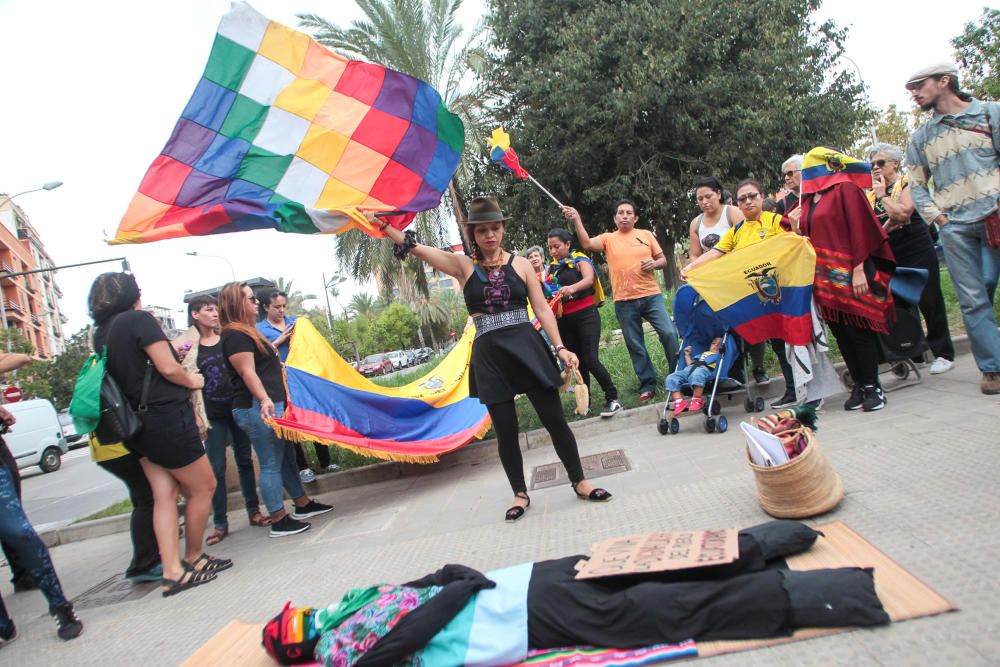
[[296, 299], [395, 327], [978, 52], [431, 312], [891, 127], [62, 371], [423, 39], [605, 100]]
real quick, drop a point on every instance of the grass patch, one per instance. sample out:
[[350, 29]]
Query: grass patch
[[121, 507]]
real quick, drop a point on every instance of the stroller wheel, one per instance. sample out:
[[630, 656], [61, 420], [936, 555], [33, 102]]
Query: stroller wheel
[[710, 425], [663, 426], [901, 370], [748, 404], [759, 404], [675, 425], [723, 425]]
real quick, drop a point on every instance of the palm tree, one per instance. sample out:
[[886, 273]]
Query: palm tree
[[362, 305], [431, 311], [423, 39], [296, 299]]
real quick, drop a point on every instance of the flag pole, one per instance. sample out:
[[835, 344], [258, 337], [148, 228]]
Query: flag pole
[[542, 188]]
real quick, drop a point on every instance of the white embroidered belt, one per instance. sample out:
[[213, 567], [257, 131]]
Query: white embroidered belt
[[488, 322]]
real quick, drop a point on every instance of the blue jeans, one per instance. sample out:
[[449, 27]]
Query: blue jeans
[[969, 261], [630, 314], [991, 271], [276, 457], [215, 446], [19, 535], [696, 376]]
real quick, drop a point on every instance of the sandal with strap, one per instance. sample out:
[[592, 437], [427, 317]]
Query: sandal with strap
[[216, 536], [189, 579], [212, 564], [597, 495], [516, 511], [259, 520]]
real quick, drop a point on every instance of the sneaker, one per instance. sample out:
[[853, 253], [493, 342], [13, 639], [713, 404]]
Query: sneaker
[[333, 467], [288, 526], [68, 625], [855, 400], [786, 401], [306, 475], [991, 383], [874, 398], [816, 405], [8, 636], [646, 396], [154, 573], [612, 408], [680, 405], [696, 404], [760, 378], [312, 508], [941, 365]]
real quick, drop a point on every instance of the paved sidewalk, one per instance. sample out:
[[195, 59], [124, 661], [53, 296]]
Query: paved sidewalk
[[921, 479]]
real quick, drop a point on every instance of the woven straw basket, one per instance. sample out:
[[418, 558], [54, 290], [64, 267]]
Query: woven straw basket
[[804, 487]]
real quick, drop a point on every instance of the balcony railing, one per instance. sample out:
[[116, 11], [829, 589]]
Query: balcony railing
[[12, 306]]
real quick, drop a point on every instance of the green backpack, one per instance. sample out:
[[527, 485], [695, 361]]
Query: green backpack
[[85, 407]]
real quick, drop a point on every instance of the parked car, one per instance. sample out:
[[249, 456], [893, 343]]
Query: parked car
[[398, 358], [375, 364], [423, 354], [73, 439], [36, 439]]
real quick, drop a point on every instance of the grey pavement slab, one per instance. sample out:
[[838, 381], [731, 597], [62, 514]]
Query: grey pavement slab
[[921, 480]]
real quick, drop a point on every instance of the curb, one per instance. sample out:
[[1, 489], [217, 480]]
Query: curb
[[477, 452]]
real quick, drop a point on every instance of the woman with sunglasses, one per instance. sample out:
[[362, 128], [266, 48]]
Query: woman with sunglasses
[[715, 218], [757, 225], [258, 397], [911, 243]]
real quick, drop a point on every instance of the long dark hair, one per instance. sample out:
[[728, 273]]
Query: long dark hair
[[112, 293]]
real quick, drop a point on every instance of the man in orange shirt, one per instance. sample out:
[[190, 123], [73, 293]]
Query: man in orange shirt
[[633, 255]]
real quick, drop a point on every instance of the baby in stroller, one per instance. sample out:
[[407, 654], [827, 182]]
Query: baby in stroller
[[696, 373]]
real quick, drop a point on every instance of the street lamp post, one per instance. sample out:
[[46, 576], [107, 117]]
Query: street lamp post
[[871, 128], [232, 271]]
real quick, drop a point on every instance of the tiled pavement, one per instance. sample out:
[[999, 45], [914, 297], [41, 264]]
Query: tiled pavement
[[921, 479]]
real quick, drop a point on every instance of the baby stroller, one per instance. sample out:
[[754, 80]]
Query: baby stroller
[[698, 325], [906, 340]]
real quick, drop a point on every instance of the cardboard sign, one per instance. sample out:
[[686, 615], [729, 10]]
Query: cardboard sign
[[657, 552]]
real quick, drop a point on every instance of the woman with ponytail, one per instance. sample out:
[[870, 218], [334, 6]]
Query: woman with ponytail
[[259, 396]]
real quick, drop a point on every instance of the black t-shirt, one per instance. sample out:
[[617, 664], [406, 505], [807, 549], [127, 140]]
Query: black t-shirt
[[910, 240], [130, 333], [786, 203], [266, 364], [218, 390]]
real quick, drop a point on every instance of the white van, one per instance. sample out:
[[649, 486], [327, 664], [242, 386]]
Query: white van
[[36, 438]]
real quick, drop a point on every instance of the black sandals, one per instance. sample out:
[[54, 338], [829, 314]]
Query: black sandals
[[189, 579], [597, 495], [516, 512]]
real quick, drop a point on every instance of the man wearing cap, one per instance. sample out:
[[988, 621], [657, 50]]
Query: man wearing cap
[[959, 150]]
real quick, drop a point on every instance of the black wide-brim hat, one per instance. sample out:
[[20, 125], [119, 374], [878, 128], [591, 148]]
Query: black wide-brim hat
[[485, 209]]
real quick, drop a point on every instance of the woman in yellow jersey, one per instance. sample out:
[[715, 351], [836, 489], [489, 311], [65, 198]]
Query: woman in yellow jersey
[[124, 465], [757, 225]]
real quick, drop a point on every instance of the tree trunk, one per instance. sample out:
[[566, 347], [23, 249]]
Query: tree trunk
[[671, 272], [458, 207]]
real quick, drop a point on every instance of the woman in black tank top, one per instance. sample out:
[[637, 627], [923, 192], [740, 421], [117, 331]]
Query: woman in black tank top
[[508, 356]]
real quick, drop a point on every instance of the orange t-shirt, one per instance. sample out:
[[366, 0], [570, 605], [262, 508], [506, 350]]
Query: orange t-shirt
[[626, 253]]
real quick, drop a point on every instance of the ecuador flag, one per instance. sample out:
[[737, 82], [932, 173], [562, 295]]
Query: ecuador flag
[[331, 403], [762, 291], [824, 167]]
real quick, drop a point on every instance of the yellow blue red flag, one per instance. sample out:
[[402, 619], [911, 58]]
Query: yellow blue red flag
[[762, 291], [331, 403], [824, 167]]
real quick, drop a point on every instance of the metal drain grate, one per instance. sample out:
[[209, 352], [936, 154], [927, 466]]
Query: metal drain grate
[[595, 465], [112, 591]]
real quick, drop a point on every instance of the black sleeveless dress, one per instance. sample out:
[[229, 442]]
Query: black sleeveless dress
[[512, 359]]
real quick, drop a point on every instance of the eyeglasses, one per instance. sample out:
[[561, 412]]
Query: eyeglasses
[[253, 299], [879, 163], [749, 197], [791, 172]]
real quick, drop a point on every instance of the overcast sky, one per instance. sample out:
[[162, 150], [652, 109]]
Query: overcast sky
[[91, 91]]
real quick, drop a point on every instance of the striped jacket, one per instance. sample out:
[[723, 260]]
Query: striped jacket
[[958, 156]]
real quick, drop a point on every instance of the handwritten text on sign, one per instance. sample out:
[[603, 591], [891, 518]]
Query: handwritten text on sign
[[655, 552]]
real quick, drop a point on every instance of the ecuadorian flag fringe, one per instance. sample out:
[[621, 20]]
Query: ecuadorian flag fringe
[[331, 403], [762, 291]]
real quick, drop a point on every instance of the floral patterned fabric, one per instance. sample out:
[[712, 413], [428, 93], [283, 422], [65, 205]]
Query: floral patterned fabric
[[345, 645]]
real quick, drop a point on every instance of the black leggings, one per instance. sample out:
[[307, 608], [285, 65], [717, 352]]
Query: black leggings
[[549, 408], [778, 345], [860, 350], [581, 334]]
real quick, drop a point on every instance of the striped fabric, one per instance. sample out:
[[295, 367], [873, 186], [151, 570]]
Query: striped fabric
[[584, 656], [824, 167]]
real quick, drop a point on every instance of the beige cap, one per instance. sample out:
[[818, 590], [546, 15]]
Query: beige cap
[[937, 69]]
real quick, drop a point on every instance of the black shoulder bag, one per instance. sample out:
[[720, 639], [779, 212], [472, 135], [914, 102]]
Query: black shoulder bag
[[118, 421]]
